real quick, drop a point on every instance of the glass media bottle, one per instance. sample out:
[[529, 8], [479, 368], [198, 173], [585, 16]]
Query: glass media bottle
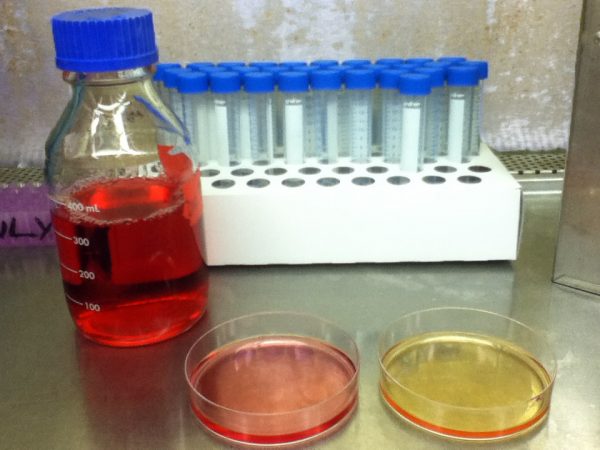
[[125, 189]]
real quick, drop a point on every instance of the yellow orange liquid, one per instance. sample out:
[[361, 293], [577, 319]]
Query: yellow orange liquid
[[465, 385]]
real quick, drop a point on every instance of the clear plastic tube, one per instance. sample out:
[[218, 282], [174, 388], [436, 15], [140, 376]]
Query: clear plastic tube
[[294, 124], [359, 121], [391, 125], [278, 112], [476, 116], [260, 108], [325, 113], [459, 123], [414, 111], [436, 123], [197, 121], [443, 149], [176, 103], [245, 139], [377, 113], [227, 128]]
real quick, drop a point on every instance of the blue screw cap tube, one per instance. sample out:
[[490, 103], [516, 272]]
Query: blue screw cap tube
[[278, 107], [389, 61], [415, 89], [358, 113], [294, 89], [159, 76], [230, 64], [356, 62], [259, 88], [193, 88], [326, 89], [262, 64], [225, 88], [245, 131], [324, 63], [419, 61], [452, 59], [437, 113], [477, 113], [461, 82], [199, 65], [172, 96], [391, 115], [376, 126], [291, 65]]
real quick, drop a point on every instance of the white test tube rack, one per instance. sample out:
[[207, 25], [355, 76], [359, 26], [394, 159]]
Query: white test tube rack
[[360, 212]]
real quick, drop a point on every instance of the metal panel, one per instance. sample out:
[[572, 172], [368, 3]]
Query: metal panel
[[577, 262]]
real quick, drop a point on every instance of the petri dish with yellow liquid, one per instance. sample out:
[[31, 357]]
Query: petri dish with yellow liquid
[[466, 374]]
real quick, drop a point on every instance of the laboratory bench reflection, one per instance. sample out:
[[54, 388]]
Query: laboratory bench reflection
[[66, 392]]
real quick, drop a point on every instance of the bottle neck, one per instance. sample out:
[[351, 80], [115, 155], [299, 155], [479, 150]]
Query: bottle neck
[[109, 78]]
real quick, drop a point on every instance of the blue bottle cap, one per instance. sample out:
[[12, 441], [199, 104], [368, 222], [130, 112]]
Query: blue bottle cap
[[377, 68], [407, 66], [439, 65], [291, 65], [414, 84], [307, 69], [389, 78], [192, 82], [104, 39], [259, 82], [463, 76], [225, 82], [324, 63], [261, 64], [230, 64], [356, 62], [360, 79], [199, 65], [170, 76], [419, 61], [161, 67], [453, 59], [482, 68], [209, 69], [275, 71], [389, 61], [324, 79], [293, 81], [437, 75], [244, 69]]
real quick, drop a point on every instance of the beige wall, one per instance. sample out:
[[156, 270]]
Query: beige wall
[[531, 46]]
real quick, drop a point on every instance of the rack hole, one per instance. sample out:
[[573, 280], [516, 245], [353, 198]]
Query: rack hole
[[258, 183], [432, 179], [377, 169], [275, 171], [262, 162], [293, 182], [309, 170], [479, 169], [469, 179], [242, 172], [223, 184], [445, 169], [343, 170], [328, 181], [363, 181], [207, 173], [398, 180]]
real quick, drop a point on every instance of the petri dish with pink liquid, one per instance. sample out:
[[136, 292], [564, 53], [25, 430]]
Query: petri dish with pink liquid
[[273, 379]]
